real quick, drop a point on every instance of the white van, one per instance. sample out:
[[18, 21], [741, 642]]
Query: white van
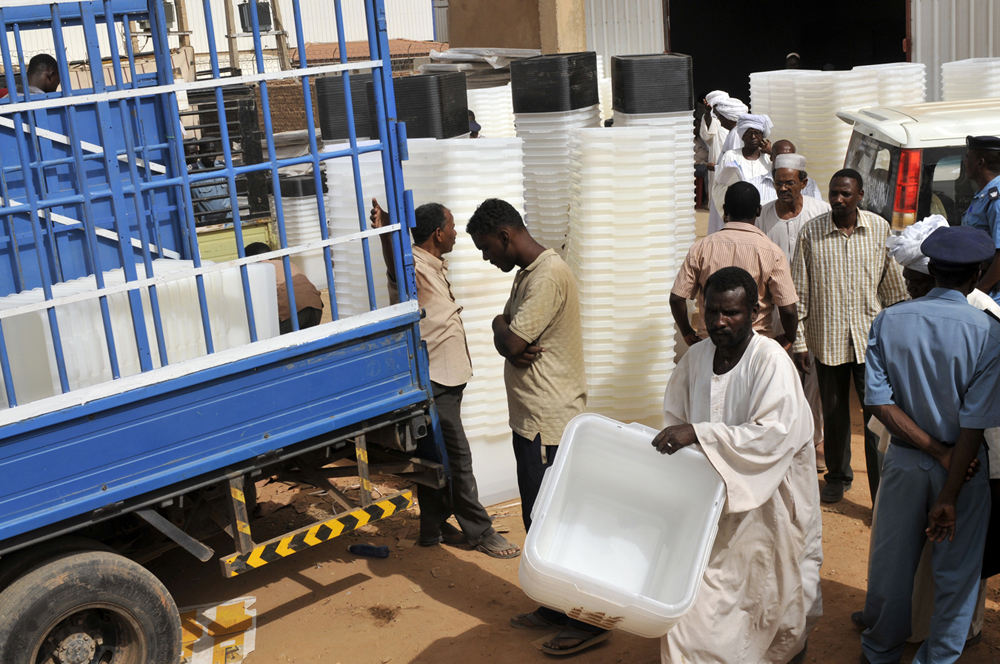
[[911, 157]]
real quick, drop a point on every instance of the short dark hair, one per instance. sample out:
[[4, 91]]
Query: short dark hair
[[953, 277], [742, 201], [851, 174], [429, 218], [256, 249], [733, 278], [492, 215], [990, 157], [42, 63]]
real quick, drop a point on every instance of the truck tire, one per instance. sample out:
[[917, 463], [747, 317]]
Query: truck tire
[[22, 561], [81, 608]]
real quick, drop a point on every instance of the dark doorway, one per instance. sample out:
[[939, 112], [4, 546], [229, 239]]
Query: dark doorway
[[729, 39]]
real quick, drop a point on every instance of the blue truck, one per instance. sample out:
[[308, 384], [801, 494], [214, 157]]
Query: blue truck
[[117, 440]]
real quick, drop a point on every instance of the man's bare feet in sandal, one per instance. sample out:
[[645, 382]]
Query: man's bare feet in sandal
[[571, 640], [497, 546]]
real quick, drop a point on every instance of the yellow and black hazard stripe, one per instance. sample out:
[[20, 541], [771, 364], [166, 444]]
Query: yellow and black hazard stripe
[[303, 538]]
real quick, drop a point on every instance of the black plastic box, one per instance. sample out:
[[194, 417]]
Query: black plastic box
[[431, 105], [333, 106], [654, 83], [263, 16], [554, 83]]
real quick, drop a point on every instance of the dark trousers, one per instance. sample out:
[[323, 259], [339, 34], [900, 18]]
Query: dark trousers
[[461, 498], [308, 317], [530, 471], [835, 392]]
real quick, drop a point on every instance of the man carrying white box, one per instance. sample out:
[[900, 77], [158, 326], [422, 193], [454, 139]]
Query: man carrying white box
[[740, 400]]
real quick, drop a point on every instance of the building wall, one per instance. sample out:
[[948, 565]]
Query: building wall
[[486, 23], [947, 30], [624, 27]]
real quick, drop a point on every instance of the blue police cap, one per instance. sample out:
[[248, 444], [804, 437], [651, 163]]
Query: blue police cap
[[982, 142], [958, 246]]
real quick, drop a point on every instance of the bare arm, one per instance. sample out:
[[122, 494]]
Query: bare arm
[[380, 219], [679, 309], [518, 351], [941, 519], [903, 427], [992, 276], [789, 316]]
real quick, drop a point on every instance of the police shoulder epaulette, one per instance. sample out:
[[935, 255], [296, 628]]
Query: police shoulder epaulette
[[993, 193], [991, 315]]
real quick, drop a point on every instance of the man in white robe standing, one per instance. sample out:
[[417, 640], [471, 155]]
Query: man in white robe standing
[[728, 111], [740, 400], [749, 163], [712, 132]]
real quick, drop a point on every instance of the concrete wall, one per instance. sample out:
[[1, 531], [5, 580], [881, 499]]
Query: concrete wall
[[485, 23], [563, 26]]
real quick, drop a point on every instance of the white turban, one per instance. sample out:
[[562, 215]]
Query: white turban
[[905, 248], [790, 160], [749, 121], [730, 109], [716, 96]]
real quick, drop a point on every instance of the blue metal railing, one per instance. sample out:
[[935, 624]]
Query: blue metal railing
[[70, 208]]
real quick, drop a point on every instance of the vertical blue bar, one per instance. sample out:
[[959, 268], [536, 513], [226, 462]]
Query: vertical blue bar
[[275, 182], [92, 246], [324, 229], [234, 204]]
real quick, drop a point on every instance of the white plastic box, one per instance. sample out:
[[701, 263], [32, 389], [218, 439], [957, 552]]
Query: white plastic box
[[621, 534]]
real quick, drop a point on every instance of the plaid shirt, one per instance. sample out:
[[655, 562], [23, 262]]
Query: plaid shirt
[[843, 282]]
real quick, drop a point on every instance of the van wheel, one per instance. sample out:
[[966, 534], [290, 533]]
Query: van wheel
[[13, 565], [89, 608]]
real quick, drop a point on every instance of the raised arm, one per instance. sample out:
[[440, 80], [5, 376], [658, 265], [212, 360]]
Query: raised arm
[[380, 219]]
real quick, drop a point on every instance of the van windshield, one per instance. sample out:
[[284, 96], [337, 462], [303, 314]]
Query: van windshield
[[944, 187], [877, 162]]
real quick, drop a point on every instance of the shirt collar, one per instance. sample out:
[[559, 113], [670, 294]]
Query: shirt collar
[[425, 256], [995, 182], [862, 222], [542, 257], [946, 294], [742, 226]]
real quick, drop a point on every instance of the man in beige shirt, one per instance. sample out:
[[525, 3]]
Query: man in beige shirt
[[540, 336], [738, 244], [450, 368], [307, 298]]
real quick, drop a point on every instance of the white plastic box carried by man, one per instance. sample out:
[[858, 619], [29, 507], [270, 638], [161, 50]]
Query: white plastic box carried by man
[[620, 534]]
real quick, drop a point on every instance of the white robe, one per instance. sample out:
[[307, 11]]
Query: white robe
[[760, 596], [734, 167], [714, 137]]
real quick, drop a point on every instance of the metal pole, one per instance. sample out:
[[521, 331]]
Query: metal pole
[[234, 51], [281, 37]]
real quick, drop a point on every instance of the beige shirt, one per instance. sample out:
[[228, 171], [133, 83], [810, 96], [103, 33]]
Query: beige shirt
[[545, 311], [441, 327], [843, 282], [741, 245], [306, 294]]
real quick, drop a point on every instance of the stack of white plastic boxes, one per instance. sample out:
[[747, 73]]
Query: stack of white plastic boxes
[[494, 109], [631, 223], [30, 345], [899, 83], [300, 208], [975, 78], [803, 106], [460, 174], [553, 95]]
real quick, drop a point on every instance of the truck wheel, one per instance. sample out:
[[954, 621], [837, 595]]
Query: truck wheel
[[22, 561], [89, 608]]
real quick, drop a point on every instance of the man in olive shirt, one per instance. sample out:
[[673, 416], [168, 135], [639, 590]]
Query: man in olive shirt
[[450, 368], [539, 334]]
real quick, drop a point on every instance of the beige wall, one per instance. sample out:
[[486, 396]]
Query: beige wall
[[485, 23], [554, 26]]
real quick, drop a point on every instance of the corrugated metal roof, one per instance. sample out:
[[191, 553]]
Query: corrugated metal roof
[[949, 30]]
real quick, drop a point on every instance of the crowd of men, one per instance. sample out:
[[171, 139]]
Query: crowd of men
[[799, 298]]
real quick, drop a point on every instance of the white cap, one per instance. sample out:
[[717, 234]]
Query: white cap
[[790, 160]]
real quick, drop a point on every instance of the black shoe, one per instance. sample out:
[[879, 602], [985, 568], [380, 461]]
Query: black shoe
[[833, 492], [858, 619]]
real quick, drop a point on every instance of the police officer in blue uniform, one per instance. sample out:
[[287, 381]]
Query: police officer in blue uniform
[[982, 166]]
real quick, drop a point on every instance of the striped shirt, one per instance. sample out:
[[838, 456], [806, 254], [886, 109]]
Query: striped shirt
[[843, 282], [742, 245]]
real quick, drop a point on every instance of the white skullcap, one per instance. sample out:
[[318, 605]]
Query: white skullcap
[[716, 96], [730, 109], [749, 121], [790, 160], [905, 248]]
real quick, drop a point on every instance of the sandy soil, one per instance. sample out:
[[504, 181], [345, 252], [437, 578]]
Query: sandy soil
[[446, 605]]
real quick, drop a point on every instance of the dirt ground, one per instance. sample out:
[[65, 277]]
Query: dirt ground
[[446, 605]]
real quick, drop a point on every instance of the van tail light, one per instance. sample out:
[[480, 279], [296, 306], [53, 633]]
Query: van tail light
[[904, 209]]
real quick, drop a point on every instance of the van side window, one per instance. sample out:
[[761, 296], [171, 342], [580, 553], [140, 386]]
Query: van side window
[[944, 188]]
